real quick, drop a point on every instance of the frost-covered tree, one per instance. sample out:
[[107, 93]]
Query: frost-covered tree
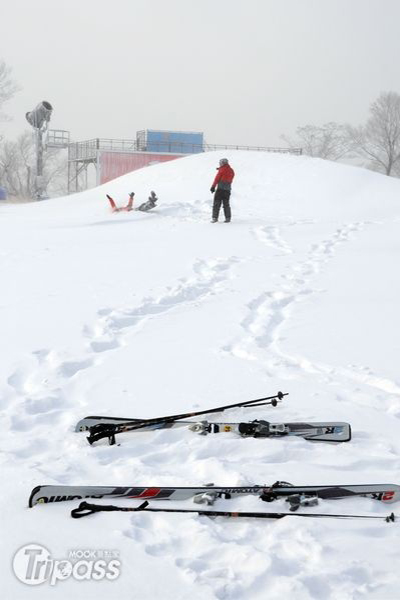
[[378, 140], [18, 164], [16, 158], [8, 87], [329, 141]]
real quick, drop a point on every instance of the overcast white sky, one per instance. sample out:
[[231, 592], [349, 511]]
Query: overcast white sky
[[242, 71]]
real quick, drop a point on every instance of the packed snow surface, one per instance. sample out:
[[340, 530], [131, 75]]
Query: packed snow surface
[[145, 314]]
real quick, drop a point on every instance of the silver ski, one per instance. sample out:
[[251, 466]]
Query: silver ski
[[44, 494], [316, 431]]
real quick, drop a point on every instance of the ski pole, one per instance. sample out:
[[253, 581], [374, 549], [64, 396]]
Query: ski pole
[[85, 509]]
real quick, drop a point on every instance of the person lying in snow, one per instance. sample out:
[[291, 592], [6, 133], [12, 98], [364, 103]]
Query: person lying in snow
[[146, 206], [151, 203]]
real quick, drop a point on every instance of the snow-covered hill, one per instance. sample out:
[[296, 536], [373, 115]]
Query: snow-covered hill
[[139, 315]]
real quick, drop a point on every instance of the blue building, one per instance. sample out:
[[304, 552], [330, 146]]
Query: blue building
[[176, 142]]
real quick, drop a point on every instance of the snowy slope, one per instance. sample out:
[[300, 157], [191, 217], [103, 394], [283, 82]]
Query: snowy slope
[[145, 314]]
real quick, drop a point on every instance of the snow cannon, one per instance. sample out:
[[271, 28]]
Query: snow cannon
[[40, 115]]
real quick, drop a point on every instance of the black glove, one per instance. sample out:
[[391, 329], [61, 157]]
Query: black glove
[[212, 189]]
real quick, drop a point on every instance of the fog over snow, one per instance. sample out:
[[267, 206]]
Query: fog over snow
[[242, 72], [144, 314]]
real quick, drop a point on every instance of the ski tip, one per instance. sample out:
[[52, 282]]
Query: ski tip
[[34, 493]]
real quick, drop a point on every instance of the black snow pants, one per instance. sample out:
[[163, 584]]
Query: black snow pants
[[222, 197]]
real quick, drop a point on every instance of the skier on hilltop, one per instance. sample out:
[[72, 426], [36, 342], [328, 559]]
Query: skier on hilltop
[[222, 182]]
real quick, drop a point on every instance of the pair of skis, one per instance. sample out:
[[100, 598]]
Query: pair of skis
[[101, 427]]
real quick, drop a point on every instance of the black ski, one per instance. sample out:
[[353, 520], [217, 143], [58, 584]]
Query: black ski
[[106, 429], [85, 509], [297, 495]]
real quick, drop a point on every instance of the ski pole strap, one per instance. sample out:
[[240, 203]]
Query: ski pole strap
[[85, 509]]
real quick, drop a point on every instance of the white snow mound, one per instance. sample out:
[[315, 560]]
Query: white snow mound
[[144, 314]]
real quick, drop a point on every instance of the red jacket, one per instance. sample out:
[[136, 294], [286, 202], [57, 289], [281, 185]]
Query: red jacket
[[225, 175]]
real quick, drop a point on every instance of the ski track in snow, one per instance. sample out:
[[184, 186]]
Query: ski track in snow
[[270, 311], [112, 323], [37, 386], [270, 236]]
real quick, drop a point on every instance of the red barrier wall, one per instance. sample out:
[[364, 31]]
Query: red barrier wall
[[115, 164]]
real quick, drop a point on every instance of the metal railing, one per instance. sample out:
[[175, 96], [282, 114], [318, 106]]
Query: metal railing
[[88, 149], [57, 138], [210, 147]]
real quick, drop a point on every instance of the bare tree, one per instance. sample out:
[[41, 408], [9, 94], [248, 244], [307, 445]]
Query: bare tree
[[17, 168], [8, 87], [329, 141], [379, 139], [16, 159]]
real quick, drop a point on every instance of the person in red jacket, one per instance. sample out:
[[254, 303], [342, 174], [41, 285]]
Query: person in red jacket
[[222, 182]]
